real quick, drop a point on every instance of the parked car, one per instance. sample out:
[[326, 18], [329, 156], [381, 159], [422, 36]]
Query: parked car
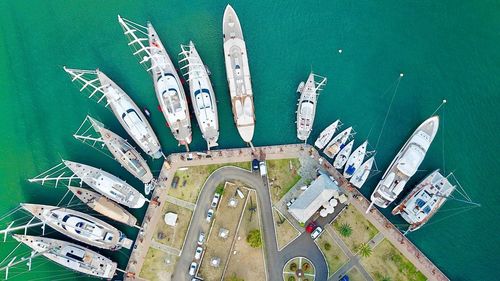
[[344, 278], [192, 268], [215, 200], [262, 168], [198, 252], [210, 215], [334, 181], [289, 203], [316, 232], [311, 226], [201, 238], [255, 165]]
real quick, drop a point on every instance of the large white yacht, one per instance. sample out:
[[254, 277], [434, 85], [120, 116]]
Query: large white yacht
[[126, 111], [103, 205], [107, 184], [202, 94], [167, 84], [306, 107], [70, 255], [424, 200], [80, 226], [238, 75], [405, 164]]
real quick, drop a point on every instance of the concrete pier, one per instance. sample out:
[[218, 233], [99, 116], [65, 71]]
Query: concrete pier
[[178, 160]]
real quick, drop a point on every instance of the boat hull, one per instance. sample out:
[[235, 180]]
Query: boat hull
[[306, 110], [326, 135]]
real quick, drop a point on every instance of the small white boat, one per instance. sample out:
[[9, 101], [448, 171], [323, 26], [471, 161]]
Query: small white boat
[[343, 156], [326, 135], [405, 164], [424, 200], [80, 226], [361, 174], [70, 255], [355, 160], [103, 205], [337, 143]]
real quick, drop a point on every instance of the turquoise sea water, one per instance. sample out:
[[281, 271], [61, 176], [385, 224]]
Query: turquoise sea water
[[447, 49]]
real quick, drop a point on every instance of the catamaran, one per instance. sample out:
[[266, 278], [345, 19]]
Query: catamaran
[[202, 93], [103, 182], [361, 174], [405, 164], [238, 75], [168, 87], [424, 200], [120, 149], [355, 160], [337, 143], [343, 155], [103, 205], [306, 110], [126, 111], [80, 226], [70, 255], [327, 134]]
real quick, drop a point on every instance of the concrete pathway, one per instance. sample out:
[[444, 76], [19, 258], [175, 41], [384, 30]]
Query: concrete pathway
[[181, 203], [167, 249]]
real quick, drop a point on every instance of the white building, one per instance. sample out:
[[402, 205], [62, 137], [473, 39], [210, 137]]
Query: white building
[[319, 192]]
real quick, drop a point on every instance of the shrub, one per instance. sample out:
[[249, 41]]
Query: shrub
[[291, 278], [235, 278], [254, 239], [293, 266], [364, 250], [345, 230], [327, 246], [306, 266]]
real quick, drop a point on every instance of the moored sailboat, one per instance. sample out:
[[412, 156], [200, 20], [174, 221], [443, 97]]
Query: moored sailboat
[[361, 174], [327, 134], [355, 160], [306, 107], [337, 143]]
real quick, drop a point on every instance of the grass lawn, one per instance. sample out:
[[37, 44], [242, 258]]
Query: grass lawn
[[335, 257], [158, 265], [225, 217], [248, 263], [173, 236], [387, 261], [192, 179], [285, 232], [355, 275], [362, 229], [282, 177]]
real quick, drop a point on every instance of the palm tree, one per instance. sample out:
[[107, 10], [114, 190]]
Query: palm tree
[[364, 250], [345, 230]]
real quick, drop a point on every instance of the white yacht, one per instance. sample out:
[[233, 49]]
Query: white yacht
[[167, 84], [202, 94], [306, 110], [343, 155], [337, 143], [326, 135], [80, 226], [71, 256], [424, 200], [361, 174], [405, 164], [128, 157], [355, 160], [107, 184], [126, 111], [103, 205], [238, 75]]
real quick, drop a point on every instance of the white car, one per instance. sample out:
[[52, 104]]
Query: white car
[[192, 268], [289, 203], [316, 232], [201, 238], [215, 200], [198, 252], [210, 215]]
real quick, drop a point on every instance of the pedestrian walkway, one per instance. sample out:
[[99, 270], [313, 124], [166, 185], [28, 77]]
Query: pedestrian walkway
[[167, 249], [180, 202]]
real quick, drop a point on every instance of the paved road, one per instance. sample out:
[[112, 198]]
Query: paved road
[[302, 246]]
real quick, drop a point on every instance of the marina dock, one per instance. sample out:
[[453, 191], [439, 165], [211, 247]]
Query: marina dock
[[356, 199]]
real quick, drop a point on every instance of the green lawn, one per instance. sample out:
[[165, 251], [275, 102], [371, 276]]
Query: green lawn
[[387, 261], [158, 265], [362, 229], [192, 179], [335, 258], [283, 174]]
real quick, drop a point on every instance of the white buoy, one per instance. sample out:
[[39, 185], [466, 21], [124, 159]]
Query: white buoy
[[401, 74], [444, 101], [340, 51]]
